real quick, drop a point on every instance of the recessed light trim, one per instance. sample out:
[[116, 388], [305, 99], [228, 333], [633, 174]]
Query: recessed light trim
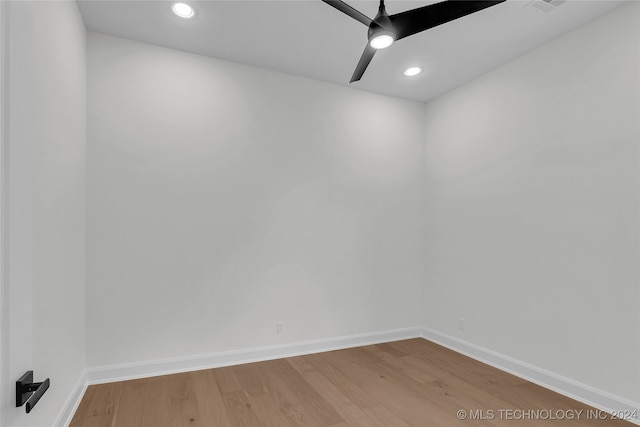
[[183, 10], [412, 71]]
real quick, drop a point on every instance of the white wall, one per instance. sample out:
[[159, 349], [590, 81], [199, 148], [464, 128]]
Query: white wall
[[223, 198], [45, 206], [533, 207]]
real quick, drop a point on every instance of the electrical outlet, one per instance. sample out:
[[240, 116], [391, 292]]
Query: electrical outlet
[[280, 327], [461, 324]]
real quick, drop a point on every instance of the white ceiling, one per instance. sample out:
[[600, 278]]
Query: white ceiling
[[311, 39]]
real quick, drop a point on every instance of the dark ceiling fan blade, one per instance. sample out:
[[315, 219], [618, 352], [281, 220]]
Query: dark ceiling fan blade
[[348, 10], [365, 59], [420, 19]]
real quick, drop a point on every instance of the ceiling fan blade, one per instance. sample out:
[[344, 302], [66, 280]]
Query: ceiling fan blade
[[420, 19], [348, 10], [365, 59]]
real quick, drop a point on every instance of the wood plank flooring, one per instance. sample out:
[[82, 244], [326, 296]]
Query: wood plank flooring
[[400, 384]]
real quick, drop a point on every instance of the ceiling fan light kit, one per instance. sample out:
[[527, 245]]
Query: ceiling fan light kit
[[381, 40], [386, 29]]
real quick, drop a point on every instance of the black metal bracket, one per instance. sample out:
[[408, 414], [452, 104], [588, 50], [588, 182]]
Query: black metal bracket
[[29, 392]]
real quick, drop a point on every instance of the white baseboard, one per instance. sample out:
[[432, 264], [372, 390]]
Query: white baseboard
[[589, 395], [72, 403], [584, 393], [131, 371]]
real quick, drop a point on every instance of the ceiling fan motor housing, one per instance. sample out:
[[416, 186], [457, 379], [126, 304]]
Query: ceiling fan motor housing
[[385, 29], [381, 24]]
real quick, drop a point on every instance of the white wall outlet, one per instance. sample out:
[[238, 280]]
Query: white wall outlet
[[280, 327], [461, 324]]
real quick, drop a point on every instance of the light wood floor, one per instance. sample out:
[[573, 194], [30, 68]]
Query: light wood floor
[[404, 383]]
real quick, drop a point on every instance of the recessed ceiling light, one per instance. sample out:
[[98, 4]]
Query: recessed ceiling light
[[412, 71], [183, 10]]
